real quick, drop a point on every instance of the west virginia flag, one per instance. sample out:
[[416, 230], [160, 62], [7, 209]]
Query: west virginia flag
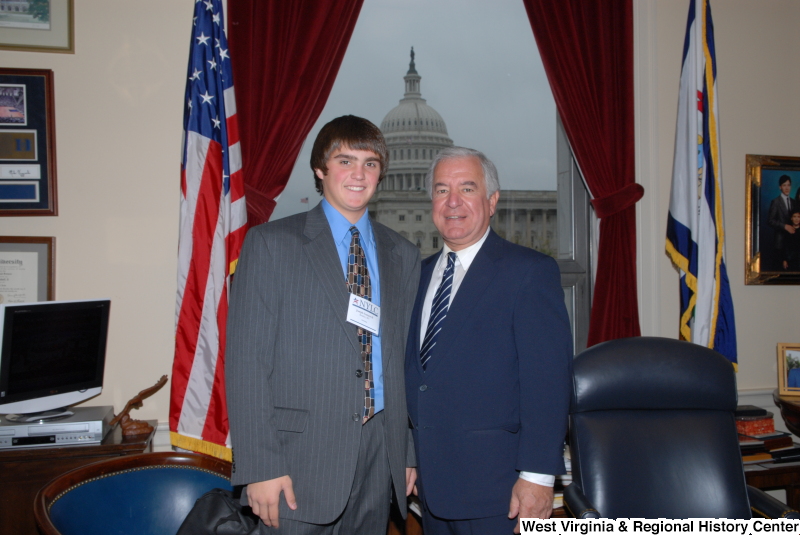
[[695, 230]]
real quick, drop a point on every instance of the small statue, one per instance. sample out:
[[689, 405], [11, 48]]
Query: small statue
[[130, 427]]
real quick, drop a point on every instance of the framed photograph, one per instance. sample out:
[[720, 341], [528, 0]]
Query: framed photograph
[[789, 369], [37, 26], [27, 143], [27, 269], [772, 219]]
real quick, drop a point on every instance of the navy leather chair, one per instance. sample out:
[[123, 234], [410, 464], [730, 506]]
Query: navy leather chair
[[144, 494], [653, 435]]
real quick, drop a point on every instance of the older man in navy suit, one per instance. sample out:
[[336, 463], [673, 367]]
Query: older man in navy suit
[[488, 363]]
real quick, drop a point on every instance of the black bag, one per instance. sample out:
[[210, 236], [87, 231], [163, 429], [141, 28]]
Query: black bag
[[218, 512]]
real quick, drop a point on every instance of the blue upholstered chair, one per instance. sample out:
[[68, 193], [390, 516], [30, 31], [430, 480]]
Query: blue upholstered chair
[[144, 494], [653, 435]]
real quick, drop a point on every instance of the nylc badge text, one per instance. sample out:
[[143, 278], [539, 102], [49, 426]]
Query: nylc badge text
[[556, 526]]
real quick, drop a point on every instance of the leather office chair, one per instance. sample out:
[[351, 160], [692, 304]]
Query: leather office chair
[[653, 435], [144, 494]]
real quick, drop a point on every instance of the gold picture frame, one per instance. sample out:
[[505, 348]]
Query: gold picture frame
[[772, 255], [789, 369], [50, 29]]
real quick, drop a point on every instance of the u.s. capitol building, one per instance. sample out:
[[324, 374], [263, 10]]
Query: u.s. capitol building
[[415, 133]]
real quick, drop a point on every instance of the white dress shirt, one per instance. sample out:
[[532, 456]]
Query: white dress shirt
[[464, 259]]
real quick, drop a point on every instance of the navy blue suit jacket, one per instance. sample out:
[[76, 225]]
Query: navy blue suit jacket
[[494, 399]]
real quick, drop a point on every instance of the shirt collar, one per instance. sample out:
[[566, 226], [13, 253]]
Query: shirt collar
[[467, 255], [340, 226]]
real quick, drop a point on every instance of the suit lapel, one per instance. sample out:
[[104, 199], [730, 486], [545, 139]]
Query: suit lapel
[[426, 273], [321, 253], [470, 294], [389, 268]]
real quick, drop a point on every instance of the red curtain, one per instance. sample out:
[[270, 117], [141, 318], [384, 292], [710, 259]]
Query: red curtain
[[587, 50], [285, 55]]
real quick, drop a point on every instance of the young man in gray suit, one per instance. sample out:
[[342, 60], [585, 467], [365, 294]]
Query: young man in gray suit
[[316, 403]]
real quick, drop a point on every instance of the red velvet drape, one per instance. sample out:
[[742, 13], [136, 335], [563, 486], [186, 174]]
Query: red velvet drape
[[285, 55], [587, 50]]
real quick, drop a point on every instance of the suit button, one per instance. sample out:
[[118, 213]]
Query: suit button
[[359, 373], [355, 417], [423, 388]]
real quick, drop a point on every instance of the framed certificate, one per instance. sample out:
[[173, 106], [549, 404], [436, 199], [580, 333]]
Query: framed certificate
[[27, 269]]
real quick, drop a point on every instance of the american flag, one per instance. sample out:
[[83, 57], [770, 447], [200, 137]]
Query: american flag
[[213, 223]]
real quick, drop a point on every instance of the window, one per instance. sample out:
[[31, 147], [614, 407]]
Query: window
[[401, 217], [574, 242], [435, 242], [417, 217]]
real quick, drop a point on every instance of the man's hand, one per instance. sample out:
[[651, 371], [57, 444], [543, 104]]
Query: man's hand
[[790, 229], [264, 497], [529, 500], [411, 481]]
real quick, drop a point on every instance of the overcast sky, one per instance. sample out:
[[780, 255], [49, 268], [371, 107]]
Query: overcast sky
[[480, 70]]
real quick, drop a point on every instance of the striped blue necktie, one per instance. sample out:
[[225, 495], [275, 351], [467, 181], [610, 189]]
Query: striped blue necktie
[[441, 302]]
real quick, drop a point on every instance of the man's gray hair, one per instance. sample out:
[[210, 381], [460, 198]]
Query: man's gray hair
[[452, 153]]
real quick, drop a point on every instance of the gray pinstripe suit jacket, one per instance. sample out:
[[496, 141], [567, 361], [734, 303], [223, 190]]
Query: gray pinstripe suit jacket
[[291, 361]]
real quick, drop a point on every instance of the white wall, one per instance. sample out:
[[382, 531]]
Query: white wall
[[118, 104], [118, 122]]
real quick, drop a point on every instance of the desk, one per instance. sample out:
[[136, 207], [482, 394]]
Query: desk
[[25, 471], [771, 476], [790, 411]]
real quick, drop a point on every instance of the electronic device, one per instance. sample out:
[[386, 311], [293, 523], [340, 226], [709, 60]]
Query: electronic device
[[52, 355], [85, 425]]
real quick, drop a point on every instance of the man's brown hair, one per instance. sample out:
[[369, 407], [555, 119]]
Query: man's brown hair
[[352, 132]]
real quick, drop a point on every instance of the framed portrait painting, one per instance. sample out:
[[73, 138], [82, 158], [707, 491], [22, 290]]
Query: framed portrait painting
[[27, 143], [772, 218]]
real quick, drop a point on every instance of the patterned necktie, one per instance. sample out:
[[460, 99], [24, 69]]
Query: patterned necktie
[[358, 284], [439, 307]]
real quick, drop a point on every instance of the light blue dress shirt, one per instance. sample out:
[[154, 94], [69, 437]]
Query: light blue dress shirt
[[340, 228]]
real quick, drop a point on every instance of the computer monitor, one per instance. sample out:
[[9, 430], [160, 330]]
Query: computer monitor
[[52, 354]]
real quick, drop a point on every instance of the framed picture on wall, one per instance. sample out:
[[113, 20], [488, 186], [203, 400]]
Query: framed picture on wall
[[37, 26], [789, 369], [27, 143], [772, 218], [27, 269]]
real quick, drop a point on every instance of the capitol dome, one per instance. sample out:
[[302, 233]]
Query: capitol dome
[[414, 134]]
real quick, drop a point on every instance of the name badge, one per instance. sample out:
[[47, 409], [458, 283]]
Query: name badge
[[364, 313]]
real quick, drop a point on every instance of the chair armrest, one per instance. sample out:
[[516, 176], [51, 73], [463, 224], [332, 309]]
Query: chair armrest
[[762, 504], [577, 503]]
